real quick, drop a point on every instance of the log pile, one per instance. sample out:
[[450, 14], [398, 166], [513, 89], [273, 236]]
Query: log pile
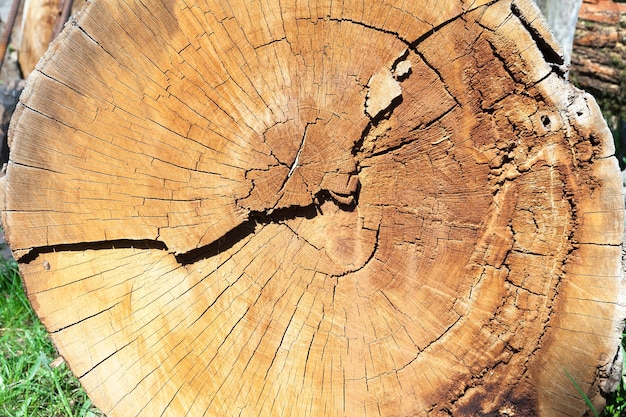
[[40, 23], [599, 53]]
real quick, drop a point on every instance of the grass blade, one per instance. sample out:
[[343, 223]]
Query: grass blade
[[582, 393]]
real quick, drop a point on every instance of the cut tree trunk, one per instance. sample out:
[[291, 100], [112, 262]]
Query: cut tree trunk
[[38, 21], [599, 57], [40, 18], [318, 209]]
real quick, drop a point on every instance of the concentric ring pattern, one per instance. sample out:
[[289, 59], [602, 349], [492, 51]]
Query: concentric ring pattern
[[332, 208]]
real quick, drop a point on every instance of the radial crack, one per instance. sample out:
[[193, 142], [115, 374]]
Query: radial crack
[[297, 159]]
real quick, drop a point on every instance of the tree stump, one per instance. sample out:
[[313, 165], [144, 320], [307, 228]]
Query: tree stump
[[261, 208]]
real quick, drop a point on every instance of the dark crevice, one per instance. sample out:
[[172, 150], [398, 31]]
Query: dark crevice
[[64, 84], [40, 112], [502, 60], [394, 67], [436, 70], [377, 29], [99, 245], [224, 243], [375, 122], [247, 228], [34, 167], [386, 114], [106, 310], [435, 120], [284, 38], [84, 32], [413, 44], [346, 202], [106, 358], [551, 56]]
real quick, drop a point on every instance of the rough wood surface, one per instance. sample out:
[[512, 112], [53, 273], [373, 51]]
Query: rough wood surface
[[561, 16], [599, 57], [261, 208]]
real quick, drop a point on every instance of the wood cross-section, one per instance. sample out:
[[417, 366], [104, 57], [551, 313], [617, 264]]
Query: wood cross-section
[[263, 208]]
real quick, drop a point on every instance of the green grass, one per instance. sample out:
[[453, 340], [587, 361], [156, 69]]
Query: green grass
[[616, 406], [29, 384]]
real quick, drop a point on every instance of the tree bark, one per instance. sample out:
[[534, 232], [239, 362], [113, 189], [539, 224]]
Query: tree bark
[[318, 209], [599, 60]]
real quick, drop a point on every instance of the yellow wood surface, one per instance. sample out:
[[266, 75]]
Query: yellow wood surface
[[323, 208]]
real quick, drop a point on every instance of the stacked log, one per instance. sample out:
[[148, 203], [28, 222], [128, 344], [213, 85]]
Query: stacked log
[[599, 55], [39, 22]]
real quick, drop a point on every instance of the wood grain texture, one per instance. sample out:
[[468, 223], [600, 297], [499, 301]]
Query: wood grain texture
[[262, 208]]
